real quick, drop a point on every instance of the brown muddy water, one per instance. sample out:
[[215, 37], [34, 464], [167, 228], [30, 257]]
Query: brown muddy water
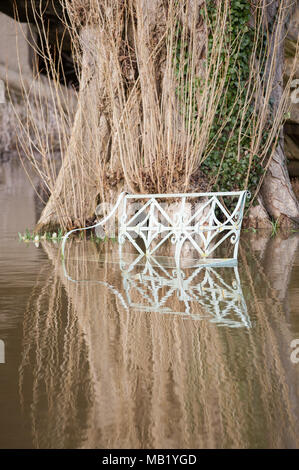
[[118, 360]]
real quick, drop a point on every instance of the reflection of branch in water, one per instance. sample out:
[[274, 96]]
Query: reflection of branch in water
[[276, 260], [54, 375], [157, 380], [157, 285], [270, 305]]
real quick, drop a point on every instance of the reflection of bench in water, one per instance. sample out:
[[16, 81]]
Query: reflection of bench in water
[[201, 291], [157, 284], [204, 220]]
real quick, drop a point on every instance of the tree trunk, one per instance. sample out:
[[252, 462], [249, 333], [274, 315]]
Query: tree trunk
[[75, 196], [277, 192]]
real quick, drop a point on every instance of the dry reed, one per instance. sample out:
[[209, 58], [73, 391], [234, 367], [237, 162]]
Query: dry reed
[[149, 96]]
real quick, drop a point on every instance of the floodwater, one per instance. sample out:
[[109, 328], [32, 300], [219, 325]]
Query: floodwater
[[99, 353]]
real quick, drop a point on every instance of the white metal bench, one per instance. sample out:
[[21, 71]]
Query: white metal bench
[[202, 219]]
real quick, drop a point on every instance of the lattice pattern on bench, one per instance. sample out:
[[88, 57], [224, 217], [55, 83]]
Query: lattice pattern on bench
[[202, 219]]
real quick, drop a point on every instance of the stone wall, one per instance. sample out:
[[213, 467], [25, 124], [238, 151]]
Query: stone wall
[[15, 60], [292, 124]]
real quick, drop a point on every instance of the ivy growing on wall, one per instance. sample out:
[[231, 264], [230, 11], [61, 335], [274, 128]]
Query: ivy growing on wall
[[229, 170]]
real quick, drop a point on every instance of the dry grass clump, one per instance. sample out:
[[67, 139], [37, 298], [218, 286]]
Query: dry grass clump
[[162, 92], [17, 122]]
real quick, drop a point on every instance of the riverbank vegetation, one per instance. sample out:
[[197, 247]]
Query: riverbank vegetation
[[173, 97]]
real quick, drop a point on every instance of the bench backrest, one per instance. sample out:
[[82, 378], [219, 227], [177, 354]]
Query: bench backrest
[[204, 220]]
